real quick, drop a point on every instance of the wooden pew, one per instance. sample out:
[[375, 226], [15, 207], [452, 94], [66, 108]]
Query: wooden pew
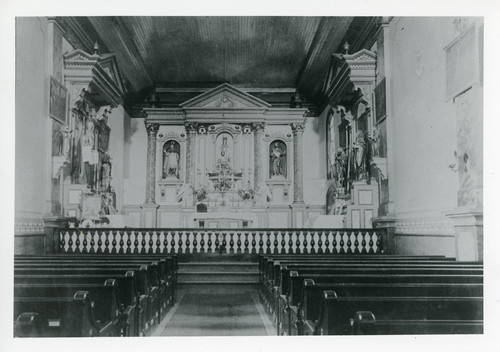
[[288, 305], [336, 311], [156, 276], [59, 317], [131, 302], [309, 309], [365, 323]]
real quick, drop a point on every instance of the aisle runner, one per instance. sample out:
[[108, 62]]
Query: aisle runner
[[215, 315]]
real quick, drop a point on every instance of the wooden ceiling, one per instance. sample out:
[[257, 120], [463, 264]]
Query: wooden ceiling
[[247, 52]]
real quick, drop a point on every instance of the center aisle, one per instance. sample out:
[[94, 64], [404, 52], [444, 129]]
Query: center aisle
[[216, 310]]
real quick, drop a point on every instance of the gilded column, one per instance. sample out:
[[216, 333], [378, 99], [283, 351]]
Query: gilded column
[[152, 130], [257, 156], [298, 184], [191, 132]]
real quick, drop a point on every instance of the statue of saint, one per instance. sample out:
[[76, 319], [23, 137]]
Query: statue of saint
[[360, 157], [171, 161], [277, 157]]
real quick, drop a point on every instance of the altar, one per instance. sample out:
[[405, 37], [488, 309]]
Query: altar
[[224, 220]]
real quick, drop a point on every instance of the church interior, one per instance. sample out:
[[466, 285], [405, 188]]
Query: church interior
[[227, 172]]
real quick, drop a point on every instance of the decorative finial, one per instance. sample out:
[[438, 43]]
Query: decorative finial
[[346, 48], [96, 48]]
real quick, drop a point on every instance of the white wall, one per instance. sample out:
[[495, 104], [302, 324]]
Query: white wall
[[314, 160], [425, 135], [134, 181], [31, 116]]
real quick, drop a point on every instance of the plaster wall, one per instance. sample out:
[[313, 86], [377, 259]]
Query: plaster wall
[[424, 121], [134, 181], [31, 116], [314, 160]]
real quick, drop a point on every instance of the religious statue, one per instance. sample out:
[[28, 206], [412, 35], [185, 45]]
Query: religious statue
[[171, 161], [361, 154], [89, 155], [340, 169], [278, 160]]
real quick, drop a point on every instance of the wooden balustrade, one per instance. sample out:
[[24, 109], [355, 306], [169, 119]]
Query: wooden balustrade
[[244, 241]]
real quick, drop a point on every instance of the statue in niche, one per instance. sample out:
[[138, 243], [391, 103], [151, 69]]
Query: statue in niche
[[278, 159], [90, 156], [361, 157], [171, 159], [340, 169]]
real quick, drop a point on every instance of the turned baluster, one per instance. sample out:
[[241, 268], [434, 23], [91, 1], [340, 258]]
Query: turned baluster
[[327, 242], [99, 242], [195, 242], [84, 245], [334, 243], [151, 241], [224, 242], [106, 243], [379, 243], [342, 251], [363, 243], [62, 242], [165, 242], [158, 242], [217, 242], [188, 242], [275, 243], [209, 242], [231, 242], [254, 243], [202, 242], [135, 235], [297, 243], [261, 243], [179, 243], [268, 243], [283, 242], [290, 242], [70, 243], [356, 243], [77, 244], [143, 242], [305, 242], [313, 250], [121, 243], [114, 242], [370, 243], [129, 243], [246, 243], [238, 243], [320, 243], [172, 242]]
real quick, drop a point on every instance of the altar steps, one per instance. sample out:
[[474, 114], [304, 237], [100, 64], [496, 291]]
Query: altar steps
[[237, 273]]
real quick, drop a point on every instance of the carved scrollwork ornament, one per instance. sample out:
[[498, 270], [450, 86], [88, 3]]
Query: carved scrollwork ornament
[[191, 127], [247, 129]]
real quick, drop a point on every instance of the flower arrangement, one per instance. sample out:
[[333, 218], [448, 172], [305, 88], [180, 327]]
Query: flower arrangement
[[201, 193], [246, 194]]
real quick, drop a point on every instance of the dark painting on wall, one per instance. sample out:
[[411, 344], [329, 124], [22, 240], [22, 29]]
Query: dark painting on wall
[[57, 101], [380, 109]]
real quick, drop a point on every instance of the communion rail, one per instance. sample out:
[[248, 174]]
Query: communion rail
[[244, 241]]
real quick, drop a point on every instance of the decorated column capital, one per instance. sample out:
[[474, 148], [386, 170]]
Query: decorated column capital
[[297, 127], [152, 128], [191, 127], [258, 126]]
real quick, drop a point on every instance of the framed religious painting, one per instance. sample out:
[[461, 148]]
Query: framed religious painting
[[57, 101]]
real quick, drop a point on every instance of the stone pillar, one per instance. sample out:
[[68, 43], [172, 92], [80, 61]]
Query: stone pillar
[[152, 130], [258, 162], [298, 184], [191, 132]]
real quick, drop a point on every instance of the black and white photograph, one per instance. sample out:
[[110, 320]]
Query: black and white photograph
[[252, 180]]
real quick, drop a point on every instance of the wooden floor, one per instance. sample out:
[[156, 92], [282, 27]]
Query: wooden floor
[[216, 310]]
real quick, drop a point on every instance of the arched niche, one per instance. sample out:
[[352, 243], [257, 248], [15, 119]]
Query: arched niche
[[224, 149], [278, 167], [171, 159]]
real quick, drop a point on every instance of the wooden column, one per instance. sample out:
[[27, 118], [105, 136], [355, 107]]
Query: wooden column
[[191, 132], [257, 179], [298, 184], [152, 130]]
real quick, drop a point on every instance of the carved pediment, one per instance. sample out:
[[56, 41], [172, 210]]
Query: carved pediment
[[96, 73], [225, 96]]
